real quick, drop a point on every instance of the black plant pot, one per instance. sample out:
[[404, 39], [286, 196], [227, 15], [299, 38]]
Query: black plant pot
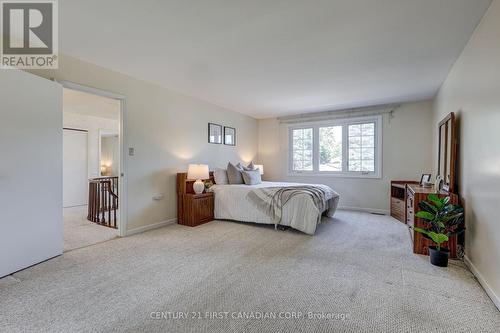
[[439, 258]]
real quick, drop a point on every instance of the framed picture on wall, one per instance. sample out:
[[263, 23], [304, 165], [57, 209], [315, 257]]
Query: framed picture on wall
[[229, 136], [214, 133]]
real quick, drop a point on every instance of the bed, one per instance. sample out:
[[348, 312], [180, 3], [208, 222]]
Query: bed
[[300, 210]]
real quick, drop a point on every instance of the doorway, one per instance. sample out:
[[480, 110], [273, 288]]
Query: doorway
[[92, 166]]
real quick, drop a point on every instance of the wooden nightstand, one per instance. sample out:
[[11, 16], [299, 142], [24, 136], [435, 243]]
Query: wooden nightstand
[[193, 209], [197, 209]]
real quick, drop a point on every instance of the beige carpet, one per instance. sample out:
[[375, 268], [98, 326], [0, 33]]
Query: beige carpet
[[79, 232], [358, 270]]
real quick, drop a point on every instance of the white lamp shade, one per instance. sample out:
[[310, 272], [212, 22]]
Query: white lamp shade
[[260, 167], [198, 171]]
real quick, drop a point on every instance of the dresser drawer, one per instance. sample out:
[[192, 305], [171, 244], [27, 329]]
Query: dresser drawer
[[398, 209]]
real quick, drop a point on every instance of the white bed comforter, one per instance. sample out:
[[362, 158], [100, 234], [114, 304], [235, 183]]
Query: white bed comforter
[[231, 203]]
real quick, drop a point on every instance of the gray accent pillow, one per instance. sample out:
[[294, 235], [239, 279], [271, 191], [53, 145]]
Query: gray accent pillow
[[234, 174], [249, 167], [220, 176], [242, 167], [251, 177]]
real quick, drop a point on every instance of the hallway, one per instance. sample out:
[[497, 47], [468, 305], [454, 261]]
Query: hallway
[[79, 232]]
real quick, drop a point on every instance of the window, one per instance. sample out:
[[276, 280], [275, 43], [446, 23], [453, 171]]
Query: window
[[330, 148], [302, 149], [362, 147], [350, 147]]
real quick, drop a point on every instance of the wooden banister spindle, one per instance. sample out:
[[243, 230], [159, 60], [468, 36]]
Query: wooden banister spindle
[[109, 202], [103, 201]]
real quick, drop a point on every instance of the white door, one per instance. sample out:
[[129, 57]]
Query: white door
[[31, 227], [75, 163]]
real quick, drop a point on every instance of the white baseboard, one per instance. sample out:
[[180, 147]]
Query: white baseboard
[[494, 297], [150, 227], [366, 210]]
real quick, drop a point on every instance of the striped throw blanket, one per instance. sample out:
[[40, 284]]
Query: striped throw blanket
[[272, 200]]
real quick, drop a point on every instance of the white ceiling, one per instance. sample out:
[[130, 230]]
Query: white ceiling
[[91, 105], [276, 57]]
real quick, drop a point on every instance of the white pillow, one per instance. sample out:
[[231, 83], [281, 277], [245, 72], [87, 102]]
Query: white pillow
[[220, 176], [251, 177]]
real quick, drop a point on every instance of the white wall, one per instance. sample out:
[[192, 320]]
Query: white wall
[[407, 138], [472, 90], [93, 125], [168, 130]]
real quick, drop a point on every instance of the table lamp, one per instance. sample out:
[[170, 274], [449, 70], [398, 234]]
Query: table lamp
[[260, 167], [198, 172]]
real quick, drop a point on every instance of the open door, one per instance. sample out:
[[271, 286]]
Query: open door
[[30, 170]]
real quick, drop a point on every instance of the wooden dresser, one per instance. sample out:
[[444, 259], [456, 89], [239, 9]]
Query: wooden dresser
[[414, 194], [193, 209]]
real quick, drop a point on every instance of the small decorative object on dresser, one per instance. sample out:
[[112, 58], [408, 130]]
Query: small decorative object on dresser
[[193, 209], [438, 186]]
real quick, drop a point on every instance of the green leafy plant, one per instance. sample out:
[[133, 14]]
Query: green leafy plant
[[443, 219]]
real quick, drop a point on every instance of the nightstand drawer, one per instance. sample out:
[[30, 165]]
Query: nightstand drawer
[[204, 209]]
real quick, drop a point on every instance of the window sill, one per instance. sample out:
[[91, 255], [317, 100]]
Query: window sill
[[334, 175]]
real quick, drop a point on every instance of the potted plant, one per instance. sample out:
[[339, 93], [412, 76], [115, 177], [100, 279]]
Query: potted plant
[[443, 220]]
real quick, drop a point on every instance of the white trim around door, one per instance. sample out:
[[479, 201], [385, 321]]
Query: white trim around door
[[122, 191]]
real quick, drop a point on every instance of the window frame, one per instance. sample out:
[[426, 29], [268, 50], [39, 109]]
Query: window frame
[[313, 145], [345, 122]]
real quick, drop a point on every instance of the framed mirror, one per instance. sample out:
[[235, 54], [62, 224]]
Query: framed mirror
[[447, 152]]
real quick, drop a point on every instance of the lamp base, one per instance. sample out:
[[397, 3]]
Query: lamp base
[[198, 186]]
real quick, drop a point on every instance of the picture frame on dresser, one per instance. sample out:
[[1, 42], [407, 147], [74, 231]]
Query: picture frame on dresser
[[425, 179]]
